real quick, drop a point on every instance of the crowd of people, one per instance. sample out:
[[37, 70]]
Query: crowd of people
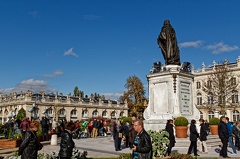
[[132, 133], [227, 132]]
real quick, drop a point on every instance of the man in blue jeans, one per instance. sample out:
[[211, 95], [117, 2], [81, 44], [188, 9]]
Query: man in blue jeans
[[230, 138]]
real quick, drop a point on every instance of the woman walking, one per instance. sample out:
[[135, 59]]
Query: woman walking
[[169, 129], [67, 144], [30, 145], [203, 137], [193, 138]]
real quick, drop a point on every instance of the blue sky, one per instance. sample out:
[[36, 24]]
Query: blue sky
[[95, 45]]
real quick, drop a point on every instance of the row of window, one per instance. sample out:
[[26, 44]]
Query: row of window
[[221, 99], [209, 83], [235, 117], [85, 113]]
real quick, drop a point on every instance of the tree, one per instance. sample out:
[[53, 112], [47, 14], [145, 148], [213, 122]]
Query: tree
[[220, 89], [21, 114], [135, 95], [77, 92]]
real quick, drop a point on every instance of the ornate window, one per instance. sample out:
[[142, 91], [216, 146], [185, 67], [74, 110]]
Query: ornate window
[[209, 84], [210, 98], [84, 114], [49, 111], [198, 85], [233, 81], [113, 114], [199, 99], [234, 96], [104, 114], [236, 115], [95, 113], [74, 112], [210, 115], [121, 114], [62, 112]]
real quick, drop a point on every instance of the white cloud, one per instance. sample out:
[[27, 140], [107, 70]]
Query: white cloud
[[30, 84], [70, 52], [197, 43], [54, 74], [112, 96], [220, 47]]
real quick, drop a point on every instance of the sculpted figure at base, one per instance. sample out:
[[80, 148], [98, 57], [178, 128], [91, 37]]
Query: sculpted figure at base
[[167, 41]]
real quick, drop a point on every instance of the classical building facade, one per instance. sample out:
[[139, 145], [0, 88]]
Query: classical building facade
[[59, 107], [205, 102]]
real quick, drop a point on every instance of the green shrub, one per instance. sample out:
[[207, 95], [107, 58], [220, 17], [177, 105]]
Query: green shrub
[[39, 132], [21, 114], [160, 142], [10, 133], [126, 119], [181, 121], [214, 121]]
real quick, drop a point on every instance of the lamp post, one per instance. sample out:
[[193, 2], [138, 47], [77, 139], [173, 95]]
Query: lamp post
[[34, 109]]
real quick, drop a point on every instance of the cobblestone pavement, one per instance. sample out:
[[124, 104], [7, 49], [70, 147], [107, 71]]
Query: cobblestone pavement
[[101, 147]]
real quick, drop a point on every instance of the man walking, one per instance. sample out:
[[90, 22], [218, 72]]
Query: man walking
[[230, 138], [132, 132], [142, 145], [223, 135]]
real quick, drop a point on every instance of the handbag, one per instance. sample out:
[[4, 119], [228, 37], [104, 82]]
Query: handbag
[[120, 135]]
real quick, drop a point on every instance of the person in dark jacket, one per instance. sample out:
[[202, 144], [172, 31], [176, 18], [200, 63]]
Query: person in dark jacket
[[142, 145], [118, 135], [132, 132], [30, 145], [223, 135], [203, 137], [169, 129], [67, 144], [96, 125], [45, 128], [126, 134], [193, 138], [236, 134]]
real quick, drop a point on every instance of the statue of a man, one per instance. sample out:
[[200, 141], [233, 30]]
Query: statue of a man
[[167, 41]]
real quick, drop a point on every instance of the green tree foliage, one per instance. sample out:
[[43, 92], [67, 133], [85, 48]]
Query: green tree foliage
[[21, 114], [135, 95], [77, 92]]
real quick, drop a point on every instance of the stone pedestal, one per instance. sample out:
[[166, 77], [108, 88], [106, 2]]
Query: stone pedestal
[[170, 96]]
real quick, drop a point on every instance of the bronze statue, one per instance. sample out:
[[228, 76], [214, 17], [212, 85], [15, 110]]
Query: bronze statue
[[167, 41]]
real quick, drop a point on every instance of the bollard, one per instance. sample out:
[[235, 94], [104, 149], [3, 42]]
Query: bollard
[[54, 139]]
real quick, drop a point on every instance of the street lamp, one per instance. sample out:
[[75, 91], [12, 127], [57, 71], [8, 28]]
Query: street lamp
[[34, 109]]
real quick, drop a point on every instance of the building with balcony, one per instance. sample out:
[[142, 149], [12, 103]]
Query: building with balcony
[[59, 106], [208, 105]]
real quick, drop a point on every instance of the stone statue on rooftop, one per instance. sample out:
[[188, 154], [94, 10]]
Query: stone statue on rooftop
[[167, 41]]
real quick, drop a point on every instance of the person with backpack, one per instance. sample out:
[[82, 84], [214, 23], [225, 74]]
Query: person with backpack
[[203, 137]]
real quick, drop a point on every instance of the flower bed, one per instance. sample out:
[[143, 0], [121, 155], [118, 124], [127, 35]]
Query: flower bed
[[6, 143]]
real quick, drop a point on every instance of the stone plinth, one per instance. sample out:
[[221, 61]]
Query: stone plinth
[[170, 96]]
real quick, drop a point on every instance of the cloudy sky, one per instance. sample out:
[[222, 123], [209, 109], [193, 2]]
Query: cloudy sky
[[56, 45]]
